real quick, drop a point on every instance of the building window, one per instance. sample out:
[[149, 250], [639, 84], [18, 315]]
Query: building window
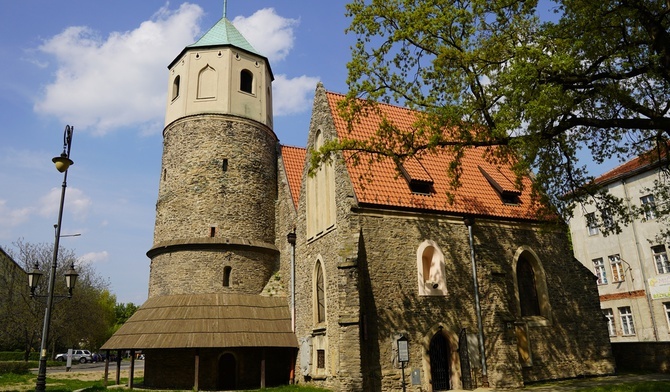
[[599, 270], [617, 268], [320, 359], [592, 223], [319, 289], [666, 307], [175, 87], [608, 222], [609, 315], [226, 275], [661, 259], [246, 81], [530, 306], [649, 206], [530, 283], [627, 326]]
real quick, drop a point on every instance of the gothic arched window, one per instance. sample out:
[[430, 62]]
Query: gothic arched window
[[530, 305], [207, 81], [531, 288], [319, 294]]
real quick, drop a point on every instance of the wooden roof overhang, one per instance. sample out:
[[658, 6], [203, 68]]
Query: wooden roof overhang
[[206, 321]]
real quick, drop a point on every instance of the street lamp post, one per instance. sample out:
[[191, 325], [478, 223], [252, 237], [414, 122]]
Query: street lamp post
[[62, 162]]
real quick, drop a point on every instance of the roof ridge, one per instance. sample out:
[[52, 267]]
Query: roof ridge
[[397, 106]]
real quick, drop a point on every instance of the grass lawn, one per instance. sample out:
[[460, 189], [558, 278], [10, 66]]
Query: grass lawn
[[68, 382]]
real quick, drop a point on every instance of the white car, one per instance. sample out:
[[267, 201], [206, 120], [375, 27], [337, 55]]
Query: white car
[[81, 356]]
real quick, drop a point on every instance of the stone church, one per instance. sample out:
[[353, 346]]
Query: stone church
[[365, 276]]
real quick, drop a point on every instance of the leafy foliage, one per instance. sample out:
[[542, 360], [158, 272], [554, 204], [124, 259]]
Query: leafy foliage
[[533, 89], [84, 320]]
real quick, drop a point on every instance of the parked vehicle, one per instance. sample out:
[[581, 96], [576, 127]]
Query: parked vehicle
[[81, 356]]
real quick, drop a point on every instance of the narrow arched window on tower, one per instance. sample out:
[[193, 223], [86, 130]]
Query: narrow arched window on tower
[[175, 87], [246, 81], [226, 275]]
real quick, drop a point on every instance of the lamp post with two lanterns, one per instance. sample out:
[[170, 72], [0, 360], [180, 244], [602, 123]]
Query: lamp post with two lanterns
[[62, 162]]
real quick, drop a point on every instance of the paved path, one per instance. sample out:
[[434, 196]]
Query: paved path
[[581, 383]]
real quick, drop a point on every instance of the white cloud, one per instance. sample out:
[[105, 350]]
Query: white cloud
[[291, 96], [76, 203], [11, 218], [269, 33], [94, 257], [105, 84]]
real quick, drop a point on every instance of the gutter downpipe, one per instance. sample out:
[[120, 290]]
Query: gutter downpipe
[[469, 222], [291, 238], [639, 262]]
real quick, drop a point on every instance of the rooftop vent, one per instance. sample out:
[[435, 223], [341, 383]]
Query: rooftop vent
[[417, 177], [508, 192]]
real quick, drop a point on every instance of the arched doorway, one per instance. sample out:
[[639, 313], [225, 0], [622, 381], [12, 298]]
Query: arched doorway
[[439, 362], [227, 372]]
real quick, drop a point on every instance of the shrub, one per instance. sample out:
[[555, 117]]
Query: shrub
[[16, 367]]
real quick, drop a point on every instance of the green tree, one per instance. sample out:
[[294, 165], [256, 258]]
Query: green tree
[[83, 320], [533, 85], [122, 313]]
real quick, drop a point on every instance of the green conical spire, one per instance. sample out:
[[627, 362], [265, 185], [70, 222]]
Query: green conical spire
[[224, 33]]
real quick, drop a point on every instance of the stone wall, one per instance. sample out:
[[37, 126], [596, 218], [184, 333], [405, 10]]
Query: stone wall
[[198, 190], [216, 207], [642, 356]]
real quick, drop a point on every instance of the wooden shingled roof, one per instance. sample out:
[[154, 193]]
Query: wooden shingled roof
[[206, 320]]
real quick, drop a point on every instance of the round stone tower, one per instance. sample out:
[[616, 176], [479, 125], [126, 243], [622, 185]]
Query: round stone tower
[[214, 228]]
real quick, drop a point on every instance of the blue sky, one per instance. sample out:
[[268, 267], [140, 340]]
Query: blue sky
[[101, 67]]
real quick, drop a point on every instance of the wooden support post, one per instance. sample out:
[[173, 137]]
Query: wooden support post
[[197, 369], [118, 367], [132, 369], [263, 370], [106, 367]]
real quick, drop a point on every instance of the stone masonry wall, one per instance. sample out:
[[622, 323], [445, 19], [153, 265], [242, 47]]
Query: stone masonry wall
[[218, 187], [573, 343], [197, 192]]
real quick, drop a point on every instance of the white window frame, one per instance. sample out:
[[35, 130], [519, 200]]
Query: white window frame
[[627, 322], [592, 226], [661, 259], [666, 307], [599, 270], [650, 211], [611, 327], [617, 268]]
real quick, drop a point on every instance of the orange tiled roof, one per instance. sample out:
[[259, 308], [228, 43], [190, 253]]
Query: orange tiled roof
[[294, 161], [641, 163], [379, 183]]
